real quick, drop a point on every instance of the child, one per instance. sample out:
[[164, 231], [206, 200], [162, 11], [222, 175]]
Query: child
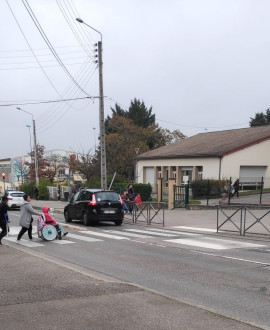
[[50, 221], [138, 200]]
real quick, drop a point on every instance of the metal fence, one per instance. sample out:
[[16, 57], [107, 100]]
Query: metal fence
[[147, 212], [244, 219]]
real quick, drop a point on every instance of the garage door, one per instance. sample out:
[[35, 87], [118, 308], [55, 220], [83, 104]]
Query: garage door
[[149, 175], [252, 173]]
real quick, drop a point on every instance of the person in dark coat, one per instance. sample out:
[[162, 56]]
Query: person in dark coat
[[3, 217], [236, 188], [58, 192]]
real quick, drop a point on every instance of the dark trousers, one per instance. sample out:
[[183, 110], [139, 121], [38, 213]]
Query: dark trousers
[[3, 226], [236, 192], [24, 230]]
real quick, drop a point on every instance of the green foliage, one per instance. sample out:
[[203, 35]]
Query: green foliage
[[139, 188], [43, 190], [260, 119], [28, 188], [208, 188]]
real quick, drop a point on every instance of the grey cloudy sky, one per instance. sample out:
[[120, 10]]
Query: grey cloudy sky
[[201, 64]]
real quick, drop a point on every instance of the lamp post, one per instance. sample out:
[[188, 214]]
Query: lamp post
[[101, 110], [35, 143], [94, 129], [4, 178], [30, 141], [136, 164]]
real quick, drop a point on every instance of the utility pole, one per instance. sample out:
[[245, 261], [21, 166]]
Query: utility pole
[[101, 110], [101, 121], [35, 150]]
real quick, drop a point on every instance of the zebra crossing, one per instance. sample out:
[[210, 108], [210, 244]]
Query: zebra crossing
[[145, 235]]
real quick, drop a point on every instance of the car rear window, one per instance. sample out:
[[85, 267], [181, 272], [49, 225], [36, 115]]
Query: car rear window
[[107, 196], [17, 194]]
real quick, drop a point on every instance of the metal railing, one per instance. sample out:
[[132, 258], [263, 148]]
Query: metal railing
[[245, 220], [147, 212]]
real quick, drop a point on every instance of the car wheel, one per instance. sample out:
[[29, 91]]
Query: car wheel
[[118, 222], [67, 217], [85, 220]]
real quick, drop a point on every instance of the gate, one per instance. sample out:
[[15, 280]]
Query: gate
[[181, 196]]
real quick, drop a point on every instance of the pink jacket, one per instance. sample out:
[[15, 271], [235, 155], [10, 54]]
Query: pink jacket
[[48, 219]]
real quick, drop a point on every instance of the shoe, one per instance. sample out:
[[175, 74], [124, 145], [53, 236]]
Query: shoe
[[17, 241], [60, 237], [65, 234]]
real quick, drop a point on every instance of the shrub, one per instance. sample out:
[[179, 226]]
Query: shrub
[[210, 188], [28, 188], [43, 190]]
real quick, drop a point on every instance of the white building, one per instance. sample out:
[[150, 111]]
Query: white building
[[240, 153]]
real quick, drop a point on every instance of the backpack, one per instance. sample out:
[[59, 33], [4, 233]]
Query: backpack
[[40, 222]]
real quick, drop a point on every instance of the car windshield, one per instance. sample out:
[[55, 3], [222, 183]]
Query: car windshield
[[107, 196], [17, 194]]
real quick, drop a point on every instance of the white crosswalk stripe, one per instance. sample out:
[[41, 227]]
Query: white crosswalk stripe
[[24, 242], [174, 232], [95, 233], [150, 232], [213, 243], [128, 234], [84, 238], [195, 229]]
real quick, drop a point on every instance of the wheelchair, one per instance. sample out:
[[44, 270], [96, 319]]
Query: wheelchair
[[49, 232]]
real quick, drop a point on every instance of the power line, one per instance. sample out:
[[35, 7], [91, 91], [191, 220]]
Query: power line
[[32, 50], [49, 101], [45, 38]]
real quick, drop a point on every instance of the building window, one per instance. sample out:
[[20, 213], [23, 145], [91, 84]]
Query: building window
[[61, 174]]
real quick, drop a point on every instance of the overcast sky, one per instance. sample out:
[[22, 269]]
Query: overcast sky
[[203, 65]]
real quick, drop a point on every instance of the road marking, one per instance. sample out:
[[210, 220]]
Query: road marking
[[174, 232], [62, 242], [232, 258], [14, 230], [196, 228], [83, 238], [213, 243], [128, 234], [24, 242], [89, 232], [149, 232]]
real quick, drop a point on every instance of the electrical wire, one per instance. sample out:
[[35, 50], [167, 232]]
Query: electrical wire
[[33, 51], [45, 38]]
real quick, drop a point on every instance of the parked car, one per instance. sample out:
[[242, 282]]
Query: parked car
[[94, 205], [15, 198]]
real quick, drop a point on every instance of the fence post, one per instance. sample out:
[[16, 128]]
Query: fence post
[[261, 190], [186, 194], [229, 191], [208, 191]]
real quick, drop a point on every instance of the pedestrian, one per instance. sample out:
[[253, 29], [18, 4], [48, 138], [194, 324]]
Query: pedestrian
[[26, 217], [50, 221], [58, 192], [36, 191], [236, 188], [3, 218], [130, 193], [138, 200], [224, 199]]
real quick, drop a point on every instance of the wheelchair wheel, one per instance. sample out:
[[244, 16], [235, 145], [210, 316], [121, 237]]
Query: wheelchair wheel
[[49, 233]]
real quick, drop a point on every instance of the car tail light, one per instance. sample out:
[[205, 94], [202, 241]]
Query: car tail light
[[10, 198], [93, 202], [121, 201]]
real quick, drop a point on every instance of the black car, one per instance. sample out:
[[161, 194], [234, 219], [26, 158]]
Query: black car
[[94, 205]]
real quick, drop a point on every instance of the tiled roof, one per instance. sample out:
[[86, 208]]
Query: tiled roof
[[212, 144]]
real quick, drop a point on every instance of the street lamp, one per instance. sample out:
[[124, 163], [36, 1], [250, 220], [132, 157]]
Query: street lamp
[[30, 141], [94, 129], [35, 143], [101, 110], [136, 164], [4, 178]]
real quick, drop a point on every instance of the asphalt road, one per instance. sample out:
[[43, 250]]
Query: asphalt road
[[229, 276]]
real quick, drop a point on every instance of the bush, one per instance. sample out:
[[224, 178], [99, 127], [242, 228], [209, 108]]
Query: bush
[[43, 190], [28, 188], [139, 188], [208, 188]]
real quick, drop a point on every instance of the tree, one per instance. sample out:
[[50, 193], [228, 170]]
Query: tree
[[20, 169], [44, 167], [86, 164], [260, 119]]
